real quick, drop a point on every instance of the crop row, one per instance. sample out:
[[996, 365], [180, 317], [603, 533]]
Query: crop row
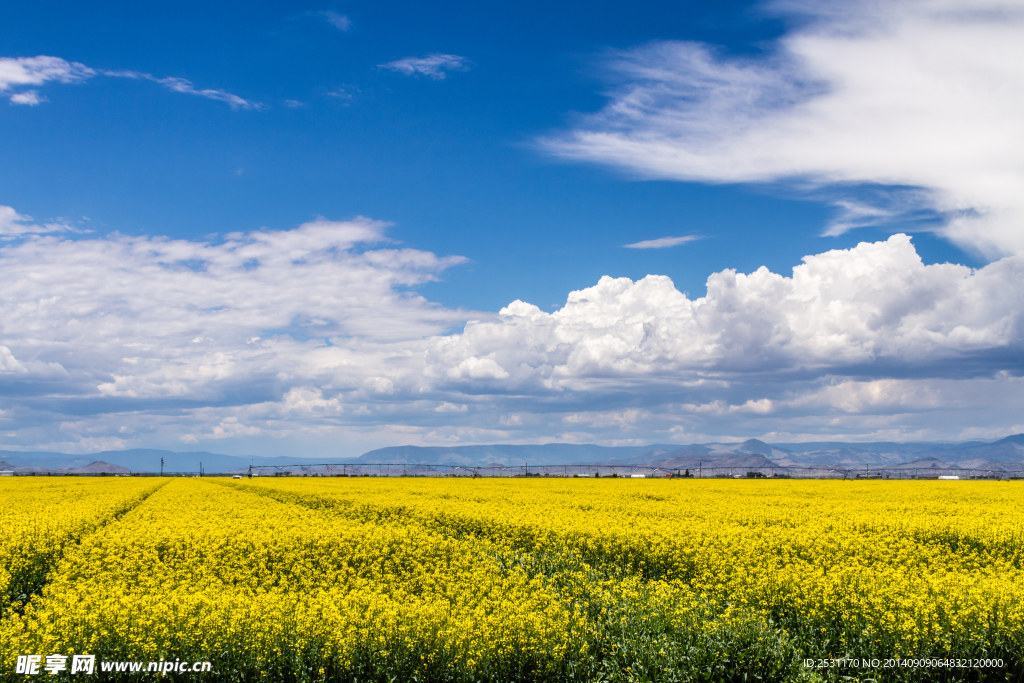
[[40, 517]]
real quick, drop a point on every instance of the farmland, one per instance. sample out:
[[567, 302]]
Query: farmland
[[531, 580]]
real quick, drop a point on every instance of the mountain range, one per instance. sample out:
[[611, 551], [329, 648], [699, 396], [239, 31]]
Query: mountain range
[[136, 460], [1003, 455]]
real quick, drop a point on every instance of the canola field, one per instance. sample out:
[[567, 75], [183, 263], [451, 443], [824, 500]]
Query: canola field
[[413, 579]]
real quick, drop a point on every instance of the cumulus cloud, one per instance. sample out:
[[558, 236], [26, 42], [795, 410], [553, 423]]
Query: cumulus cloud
[[316, 336], [16, 73], [874, 309], [435, 66], [925, 97], [8, 363]]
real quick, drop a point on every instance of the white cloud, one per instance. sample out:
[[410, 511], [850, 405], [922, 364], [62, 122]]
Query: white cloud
[[761, 407], [311, 401], [909, 94], [148, 317], [446, 407], [13, 224], [315, 336], [662, 242], [75, 444], [875, 309], [477, 368], [435, 66], [185, 86], [852, 396], [29, 71], [338, 21], [621, 420], [8, 363], [28, 97], [342, 93], [33, 71]]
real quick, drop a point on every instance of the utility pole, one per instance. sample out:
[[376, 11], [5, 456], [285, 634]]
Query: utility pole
[[200, 468], [161, 467], [700, 470]]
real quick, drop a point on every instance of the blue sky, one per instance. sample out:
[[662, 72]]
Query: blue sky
[[452, 163], [446, 161]]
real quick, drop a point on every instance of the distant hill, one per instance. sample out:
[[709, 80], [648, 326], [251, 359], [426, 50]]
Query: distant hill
[[100, 467], [986, 464], [141, 460], [690, 462], [854, 455], [1006, 454], [1003, 455], [928, 464], [480, 456]]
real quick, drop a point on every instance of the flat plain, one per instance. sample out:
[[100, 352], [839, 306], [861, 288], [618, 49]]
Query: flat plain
[[445, 579]]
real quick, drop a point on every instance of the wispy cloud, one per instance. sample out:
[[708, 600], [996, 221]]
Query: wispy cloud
[[662, 242], [17, 73], [435, 66], [33, 71], [344, 93], [14, 224], [908, 93], [184, 86], [338, 21]]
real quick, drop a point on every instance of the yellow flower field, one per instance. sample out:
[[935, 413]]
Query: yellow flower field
[[39, 516], [463, 579], [905, 567]]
